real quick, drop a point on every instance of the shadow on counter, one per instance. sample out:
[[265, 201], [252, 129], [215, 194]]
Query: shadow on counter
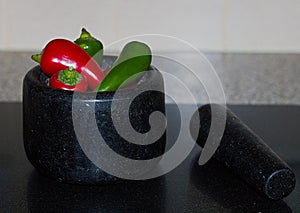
[[218, 183], [129, 196]]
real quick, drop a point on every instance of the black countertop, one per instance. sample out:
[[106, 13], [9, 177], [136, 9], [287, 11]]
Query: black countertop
[[188, 188]]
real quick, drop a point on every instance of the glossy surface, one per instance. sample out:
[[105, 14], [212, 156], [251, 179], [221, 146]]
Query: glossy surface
[[189, 188]]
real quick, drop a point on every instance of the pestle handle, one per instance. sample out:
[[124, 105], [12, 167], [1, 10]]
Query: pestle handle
[[247, 155]]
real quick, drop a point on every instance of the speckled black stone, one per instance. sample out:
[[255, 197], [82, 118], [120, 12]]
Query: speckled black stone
[[49, 137], [247, 155]]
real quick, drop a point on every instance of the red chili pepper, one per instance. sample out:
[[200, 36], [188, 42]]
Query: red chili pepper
[[60, 54], [69, 79]]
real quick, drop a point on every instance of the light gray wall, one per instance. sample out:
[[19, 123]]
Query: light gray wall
[[218, 25]]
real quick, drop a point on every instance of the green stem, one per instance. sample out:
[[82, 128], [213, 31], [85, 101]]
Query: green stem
[[85, 34], [69, 76], [37, 57]]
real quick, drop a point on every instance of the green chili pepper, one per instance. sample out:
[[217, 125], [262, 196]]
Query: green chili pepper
[[134, 58], [91, 45]]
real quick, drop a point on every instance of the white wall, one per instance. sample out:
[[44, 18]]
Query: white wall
[[218, 25]]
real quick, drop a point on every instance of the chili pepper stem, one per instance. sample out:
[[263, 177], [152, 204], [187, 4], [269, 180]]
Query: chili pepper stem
[[69, 76], [36, 57], [85, 34]]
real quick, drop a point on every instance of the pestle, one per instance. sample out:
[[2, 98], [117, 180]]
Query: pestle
[[247, 155]]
